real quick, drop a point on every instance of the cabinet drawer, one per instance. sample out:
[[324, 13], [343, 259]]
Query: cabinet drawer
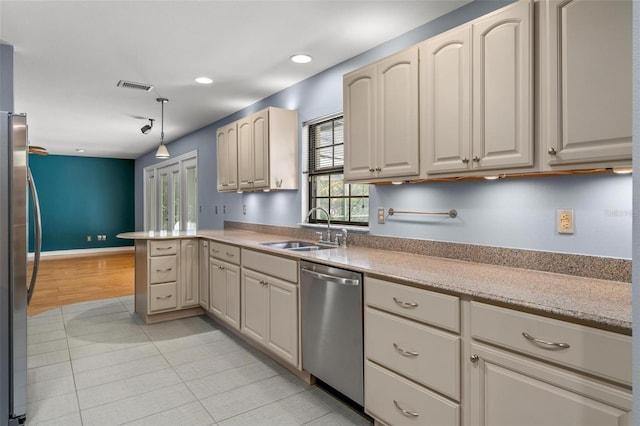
[[163, 297], [428, 356], [386, 394], [225, 252], [276, 266], [163, 247], [598, 352], [422, 305], [163, 269]]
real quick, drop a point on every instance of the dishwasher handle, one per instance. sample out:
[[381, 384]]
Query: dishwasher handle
[[331, 278]]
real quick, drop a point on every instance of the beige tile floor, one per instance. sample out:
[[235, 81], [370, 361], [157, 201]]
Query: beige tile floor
[[93, 364]]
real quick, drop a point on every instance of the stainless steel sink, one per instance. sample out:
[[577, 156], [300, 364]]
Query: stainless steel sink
[[297, 245]]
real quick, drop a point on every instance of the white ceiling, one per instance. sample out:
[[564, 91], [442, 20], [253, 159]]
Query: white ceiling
[[69, 55]]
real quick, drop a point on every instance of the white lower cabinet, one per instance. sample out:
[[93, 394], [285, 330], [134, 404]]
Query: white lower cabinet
[[395, 400], [507, 388], [189, 273], [412, 367], [224, 283], [269, 304], [224, 290], [204, 274]]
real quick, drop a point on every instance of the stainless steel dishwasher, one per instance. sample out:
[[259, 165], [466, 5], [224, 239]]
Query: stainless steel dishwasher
[[332, 341]]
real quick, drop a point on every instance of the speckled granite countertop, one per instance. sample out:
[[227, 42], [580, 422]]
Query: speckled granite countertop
[[604, 304]]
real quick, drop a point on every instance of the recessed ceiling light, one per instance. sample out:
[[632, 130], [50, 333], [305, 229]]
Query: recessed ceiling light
[[301, 58], [79, 150], [203, 80]]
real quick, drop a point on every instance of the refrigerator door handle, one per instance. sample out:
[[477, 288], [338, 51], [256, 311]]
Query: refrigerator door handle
[[37, 235]]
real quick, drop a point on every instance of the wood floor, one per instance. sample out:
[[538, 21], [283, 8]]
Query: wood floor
[[63, 280]]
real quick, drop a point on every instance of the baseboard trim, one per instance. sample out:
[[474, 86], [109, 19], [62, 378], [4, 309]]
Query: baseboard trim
[[84, 252]]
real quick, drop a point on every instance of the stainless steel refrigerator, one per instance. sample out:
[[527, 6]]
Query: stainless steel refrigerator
[[15, 182]]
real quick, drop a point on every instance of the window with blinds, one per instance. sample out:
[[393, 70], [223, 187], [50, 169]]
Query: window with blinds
[[347, 203]]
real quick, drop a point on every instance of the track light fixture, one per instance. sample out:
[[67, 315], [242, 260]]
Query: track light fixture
[[147, 127], [162, 151]]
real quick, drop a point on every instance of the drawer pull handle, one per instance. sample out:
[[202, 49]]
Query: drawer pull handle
[[406, 305], [220, 267], [215, 251], [405, 412], [552, 346], [164, 297], [405, 352], [230, 254], [164, 248], [164, 270]]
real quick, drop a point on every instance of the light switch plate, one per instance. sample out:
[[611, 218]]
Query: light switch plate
[[380, 215], [565, 219]]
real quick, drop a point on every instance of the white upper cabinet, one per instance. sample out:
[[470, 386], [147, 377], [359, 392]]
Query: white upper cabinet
[[503, 89], [381, 119], [360, 119], [267, 152], [253, 144], [586, 81], [445, 102], [228, 157]]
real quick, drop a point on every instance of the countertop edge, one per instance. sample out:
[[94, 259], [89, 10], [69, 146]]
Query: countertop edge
[[456, 285]]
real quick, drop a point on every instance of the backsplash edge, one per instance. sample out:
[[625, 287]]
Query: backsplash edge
[[603, 268]]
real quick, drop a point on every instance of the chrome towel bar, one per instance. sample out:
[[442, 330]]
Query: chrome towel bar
[[451, 213]]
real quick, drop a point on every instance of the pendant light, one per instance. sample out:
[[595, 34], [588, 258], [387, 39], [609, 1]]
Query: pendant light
[[162, 151]]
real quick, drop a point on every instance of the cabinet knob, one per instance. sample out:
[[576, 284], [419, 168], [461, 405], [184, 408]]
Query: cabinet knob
[[378, 169], [372, 170], [476, 159], [465, 160], [474, 358], [552, 151]]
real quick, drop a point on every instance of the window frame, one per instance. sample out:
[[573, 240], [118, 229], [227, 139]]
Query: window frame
[[311, 200]]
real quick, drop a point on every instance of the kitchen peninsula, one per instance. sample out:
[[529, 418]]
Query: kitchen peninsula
[[488, 332]]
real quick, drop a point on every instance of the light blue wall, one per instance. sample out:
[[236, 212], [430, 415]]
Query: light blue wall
[[6, 78], [636, 209], [508, 213]]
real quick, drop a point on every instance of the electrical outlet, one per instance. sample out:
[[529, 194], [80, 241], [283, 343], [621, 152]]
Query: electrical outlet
[[88, 238], [380, 215], [244, 209], [99, 237], [565, 219], [104, 237]]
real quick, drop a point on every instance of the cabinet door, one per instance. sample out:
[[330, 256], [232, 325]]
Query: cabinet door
[[254, 306], [260, 136], [359, 89], [231, 170], [227, 151], [445, 102], [588, 63], [217, 287], [397, 120], [510, 390], [232, 295], [283, 319], [222, 148], [189, 273], [204, 274], [245, 153], [502, 89]]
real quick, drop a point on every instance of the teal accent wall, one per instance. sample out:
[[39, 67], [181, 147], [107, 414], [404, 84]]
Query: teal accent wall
[[82, 196]]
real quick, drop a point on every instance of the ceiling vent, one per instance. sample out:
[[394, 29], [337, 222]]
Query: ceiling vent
[[132, 85]]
